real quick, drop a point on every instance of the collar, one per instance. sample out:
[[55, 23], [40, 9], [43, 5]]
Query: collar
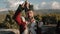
[[32, 20]]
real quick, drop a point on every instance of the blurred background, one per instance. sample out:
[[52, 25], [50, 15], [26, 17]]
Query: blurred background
[[46, 10]]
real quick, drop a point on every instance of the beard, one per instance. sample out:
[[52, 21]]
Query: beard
[[30, 17]]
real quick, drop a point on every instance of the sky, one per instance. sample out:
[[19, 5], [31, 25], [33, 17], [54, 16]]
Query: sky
[[38, 4]]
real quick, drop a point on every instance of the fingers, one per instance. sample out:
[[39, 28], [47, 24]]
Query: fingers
[[27, 5], [23, 5]]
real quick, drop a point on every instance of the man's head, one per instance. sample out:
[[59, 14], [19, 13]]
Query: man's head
[[29, 13]]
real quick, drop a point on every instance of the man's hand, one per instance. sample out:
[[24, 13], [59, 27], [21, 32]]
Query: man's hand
[[23, 5], [26, 5]]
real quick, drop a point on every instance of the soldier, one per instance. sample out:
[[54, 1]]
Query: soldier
[[9, 16], [28, 24]]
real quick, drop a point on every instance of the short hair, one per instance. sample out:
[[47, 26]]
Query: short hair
[[29, 10]]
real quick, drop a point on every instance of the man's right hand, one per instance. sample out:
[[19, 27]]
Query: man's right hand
[[26, 4]]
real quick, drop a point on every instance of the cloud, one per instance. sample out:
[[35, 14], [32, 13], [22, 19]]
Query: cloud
[[3, 9], [43, 3], [10, 4], [13, 4], [48, 5], [36, 7], [55, 5], [39, 6]]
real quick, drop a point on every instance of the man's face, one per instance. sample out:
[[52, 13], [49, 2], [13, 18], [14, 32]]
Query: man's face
[[29, 14]]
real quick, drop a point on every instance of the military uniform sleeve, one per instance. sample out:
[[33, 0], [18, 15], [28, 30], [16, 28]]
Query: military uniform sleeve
[[17, 15]]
